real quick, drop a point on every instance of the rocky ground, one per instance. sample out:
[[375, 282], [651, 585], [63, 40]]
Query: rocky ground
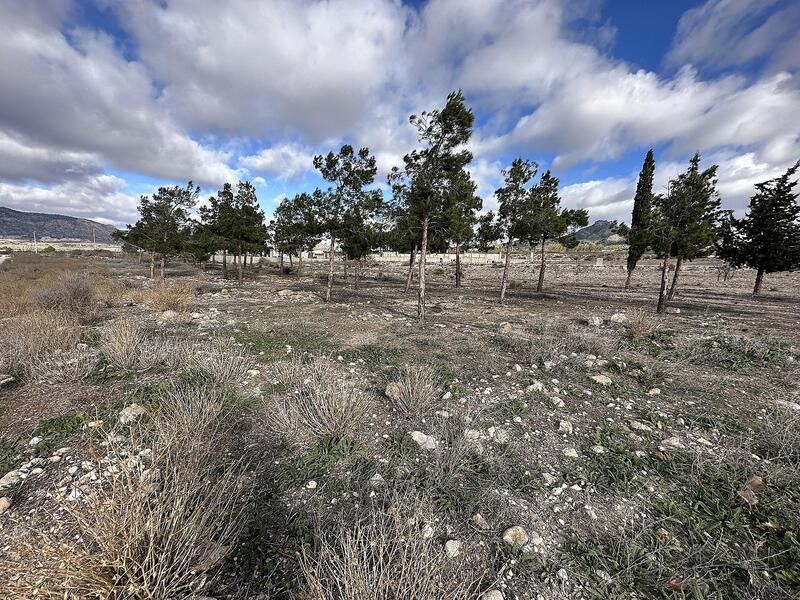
[[564, 444]]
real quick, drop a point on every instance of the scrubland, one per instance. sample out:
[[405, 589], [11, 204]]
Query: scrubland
[[197, 438]]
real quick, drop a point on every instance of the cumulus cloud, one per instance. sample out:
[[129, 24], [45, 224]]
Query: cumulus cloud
[[285, 161]]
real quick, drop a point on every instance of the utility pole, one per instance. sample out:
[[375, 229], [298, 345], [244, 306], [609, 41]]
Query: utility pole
[[35, 245], [94, 237]]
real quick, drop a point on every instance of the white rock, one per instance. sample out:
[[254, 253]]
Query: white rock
[[9, 479], [311, 485], [602, 379], [570, 453], [492, 595], [594, 321], [672, 310], [168, 315], [447, 396], [653, 392], [130, 413], [598, 449], [35, 441], [377, 480], [536, 386], [639, 426], [618, 318], [5, 504], [427, 531], [424, 441], [285, 293], [453, 548], [515, 536], [505, 327], [518, 368], [499, 435], [565, 427], [480, 522]]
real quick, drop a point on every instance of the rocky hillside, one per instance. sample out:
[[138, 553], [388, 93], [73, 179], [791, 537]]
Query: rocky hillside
[[18, 224], [601, 232]]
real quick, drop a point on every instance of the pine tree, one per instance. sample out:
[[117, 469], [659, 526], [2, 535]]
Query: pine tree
[[216, 216], [767, 239], [544, 219], [431, 173], [489, 231], [163, 226], [463, 208], [514, 199], [348, 173], [295, 229], [642, 202], [695, 212]]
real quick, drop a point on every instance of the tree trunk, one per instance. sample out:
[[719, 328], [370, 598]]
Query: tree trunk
[[423, 259], [299, 264], [330, 269], [162, 267], [140, 256], [541, 271], [410, 274], [251, 259], [291, 262], [152, 265], [345, 269], [662, 293], [458, 265], [672, 287], [506, 265], [357, 269], [239, 265], [225, 264], [281, 263], [628, 279], [759, 280]]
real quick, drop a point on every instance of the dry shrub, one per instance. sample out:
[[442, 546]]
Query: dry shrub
[[385, 555], [72, 292], [158, 523], [24, 276], [67, 366], [178, 296], [122, 343], [414, 389], [555, 341], [32, 338], [642, 324], [221, 361], [320, 403]]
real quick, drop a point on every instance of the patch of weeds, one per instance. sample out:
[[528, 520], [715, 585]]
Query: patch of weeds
[[273, 389], [739, 354], [703, 539], [400, 447], [517, 407], [9, 453], [318, 461], [374, 356], [269, 346], [55, 430], [710, 421]]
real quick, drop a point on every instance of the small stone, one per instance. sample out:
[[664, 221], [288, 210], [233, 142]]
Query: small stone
[[480, 522], [285, 293], [557, 402], [453, 548], [169, 315], [492, 595], [505, 327], [594, 321], [35, 441], [447, 396], [518, 368], [602, 379], [570, 453], [5, 504], [377, 480], [311, 485], [499, 435], [424, 441], [428, 531], [9, 479], [618, 318], [598, 449], [653, 392], [393, 390], [672, 310], [130, 413], [536, 386], [6, 379], [515, 536], [674, 442], [565, 427], [639, 426]]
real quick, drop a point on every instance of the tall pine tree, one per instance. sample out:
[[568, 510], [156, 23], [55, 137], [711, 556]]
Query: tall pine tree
[[642, 202], [767, 239]]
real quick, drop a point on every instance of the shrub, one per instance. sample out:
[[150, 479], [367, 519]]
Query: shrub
[[177, 296], [221, 361], [122, 343], [70, 292], [414, 389], [385, 555], [320, 403], [32, 338], [641, 324], [158, 524], [71, 365]]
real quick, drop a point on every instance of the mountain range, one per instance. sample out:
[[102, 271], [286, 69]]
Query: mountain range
[[17, 224]]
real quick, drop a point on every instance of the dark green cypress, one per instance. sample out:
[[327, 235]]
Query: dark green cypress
[[638, 236]]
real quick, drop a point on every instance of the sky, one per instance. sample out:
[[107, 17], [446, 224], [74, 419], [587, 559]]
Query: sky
[[102, 101]]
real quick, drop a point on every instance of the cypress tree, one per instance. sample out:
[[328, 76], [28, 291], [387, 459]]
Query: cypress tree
[[642, 201], [767, 239]]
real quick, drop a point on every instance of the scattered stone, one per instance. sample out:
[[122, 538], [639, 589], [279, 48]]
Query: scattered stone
[[598, 449], [311, 485], [9, 479], [602, 379], [424, 441], [285, 293], [492, 595], [169, 315], [595, 321], [536, 386], [393, 390], [557, 402], [672, 310], [428, 531], [639, 426], [480, 522], [518, 368], [447, 396], [619, 318], [6, 379], [35, 441], [453, 548], [654, 392], [130, 413], [505, 327], [788, 404], [570, 453], [565, 427], [499, 435], [5, 504], [674, 442], [549, 479], [515, 536], [377, 480]]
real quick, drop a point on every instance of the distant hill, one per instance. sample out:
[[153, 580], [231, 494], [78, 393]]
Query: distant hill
[[18, 224], [600, 232]]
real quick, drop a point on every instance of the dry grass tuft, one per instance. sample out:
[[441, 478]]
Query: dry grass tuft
[[158, 524], [554, 341], [414, 389], [122, 343], [73, 292], [221, 361], [67, 366], [642, 324], [385, 556], [178, 296], [32, 338], [320, 403]]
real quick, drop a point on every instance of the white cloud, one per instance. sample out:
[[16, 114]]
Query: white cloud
[[285, 161]]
